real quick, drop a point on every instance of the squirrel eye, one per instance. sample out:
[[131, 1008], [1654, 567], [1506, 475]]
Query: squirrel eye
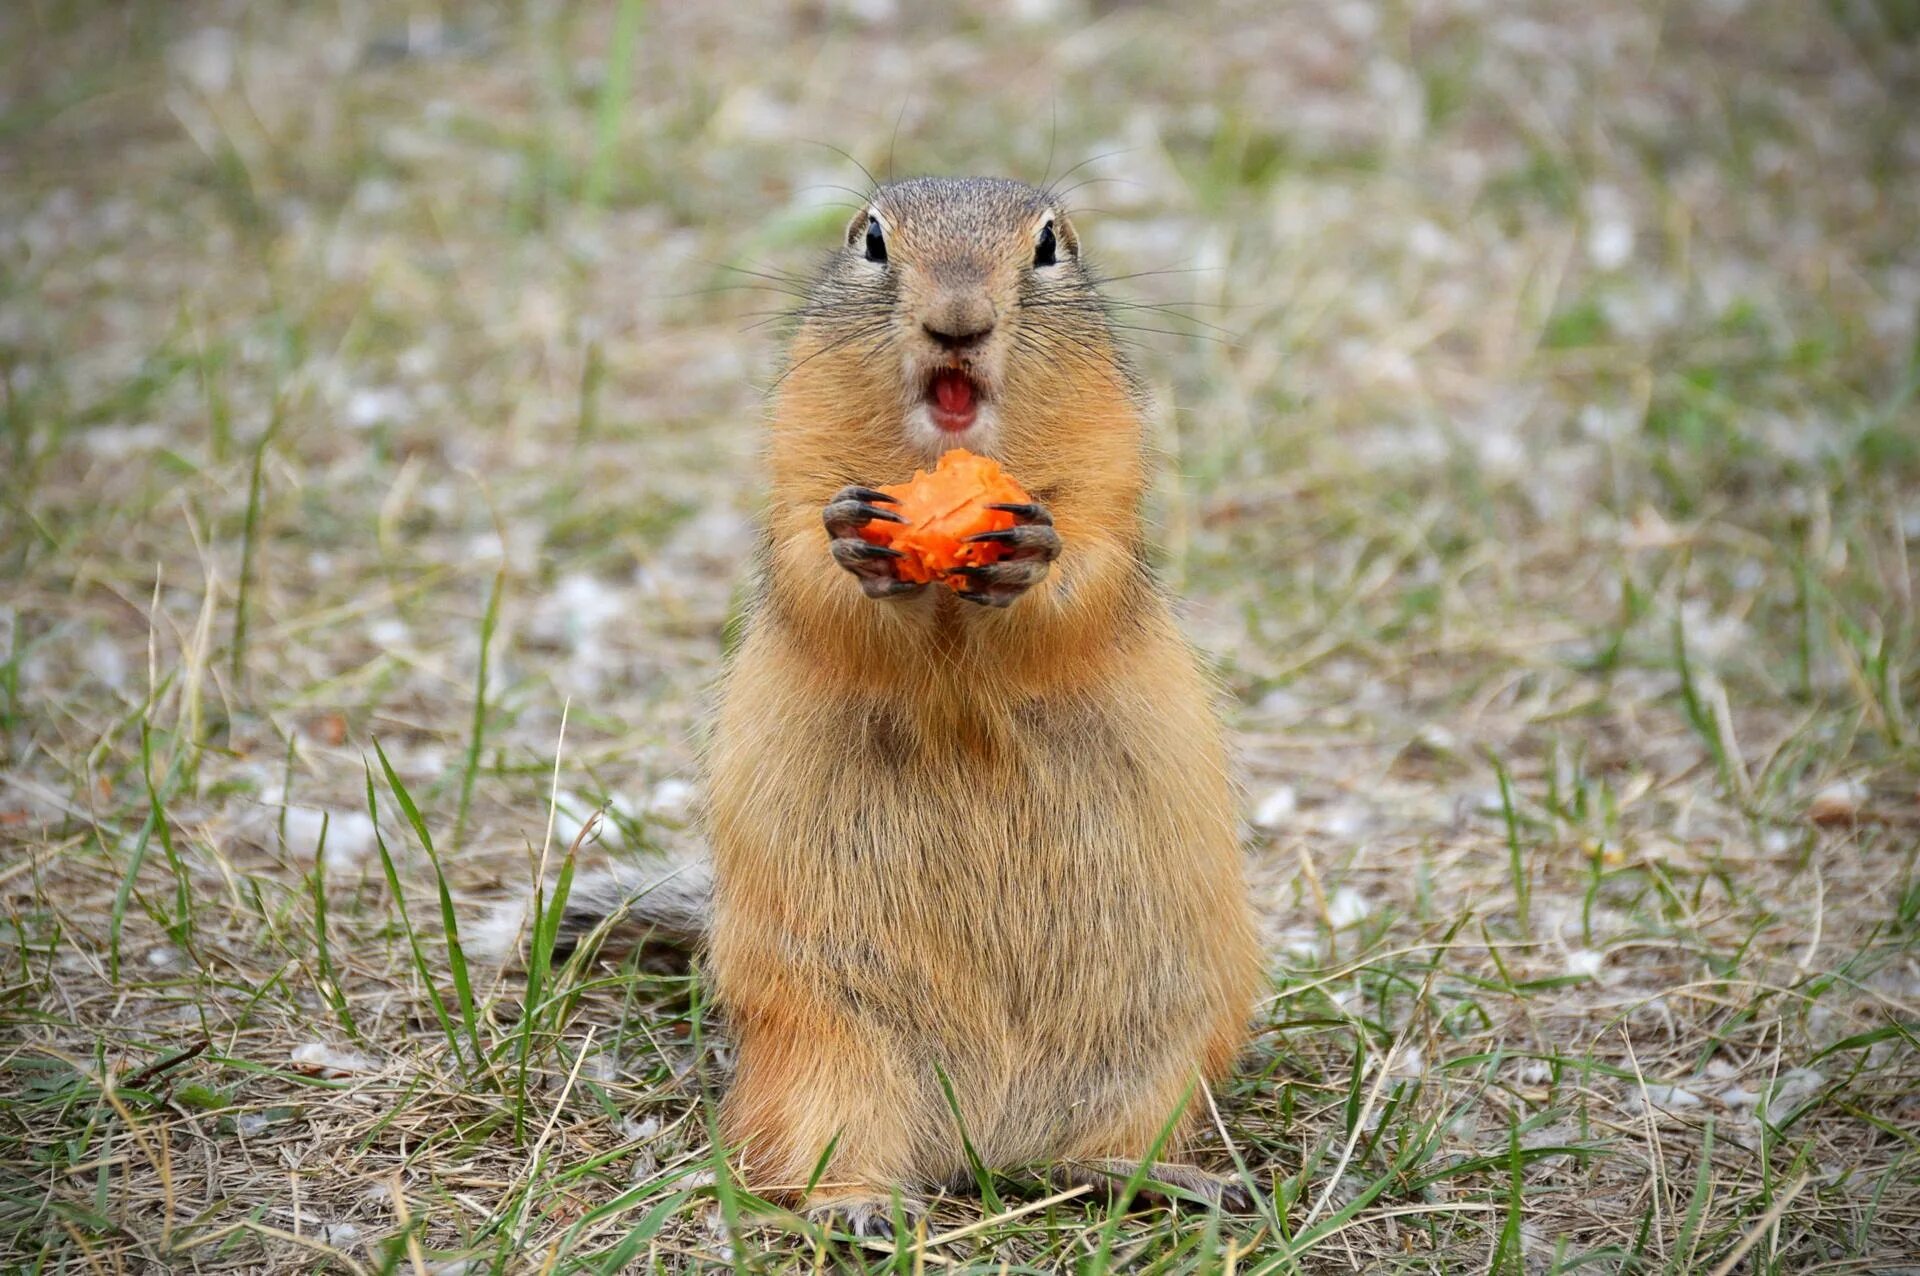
[[876, 241], [1045, 249]]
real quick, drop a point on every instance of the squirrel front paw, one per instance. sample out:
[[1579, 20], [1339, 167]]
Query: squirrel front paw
[[851, 509], [1031, 546]]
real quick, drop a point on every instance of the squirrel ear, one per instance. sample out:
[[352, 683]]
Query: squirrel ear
[[1064, 232]]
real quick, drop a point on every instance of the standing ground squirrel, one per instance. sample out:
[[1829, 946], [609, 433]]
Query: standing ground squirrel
[[989, 835]]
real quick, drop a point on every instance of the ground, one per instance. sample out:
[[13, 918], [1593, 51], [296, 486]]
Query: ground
[[1541, 473]]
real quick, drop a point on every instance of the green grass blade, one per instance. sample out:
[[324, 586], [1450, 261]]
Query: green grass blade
[[622, 1255], [1682, 1256], [477, 731], [420, 966], [456, 956], [1507, 1253], [180, 929], [1102, 1260], [547, 914], [820, 1166], [613, 100], [329, 981], [124, 893], [249, 544], [725, 1190], [981, 1175], [1516, 854]]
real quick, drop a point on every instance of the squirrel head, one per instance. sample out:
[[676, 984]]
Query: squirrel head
[[958, 310]]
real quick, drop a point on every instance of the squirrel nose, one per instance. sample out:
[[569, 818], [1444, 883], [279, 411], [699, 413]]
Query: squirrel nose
[[957, 340], [960, 324]]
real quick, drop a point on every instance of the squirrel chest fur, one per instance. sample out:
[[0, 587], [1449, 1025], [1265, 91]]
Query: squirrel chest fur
[[982, 838]]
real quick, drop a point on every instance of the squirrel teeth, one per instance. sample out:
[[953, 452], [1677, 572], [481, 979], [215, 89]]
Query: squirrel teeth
[[955, 403]]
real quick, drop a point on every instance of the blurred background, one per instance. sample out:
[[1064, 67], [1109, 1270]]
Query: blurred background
[[1535, 386]]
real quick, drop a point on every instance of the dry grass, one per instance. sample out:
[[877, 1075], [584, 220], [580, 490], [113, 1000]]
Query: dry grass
[[1546, 487]]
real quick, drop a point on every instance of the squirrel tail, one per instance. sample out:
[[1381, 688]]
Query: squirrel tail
[[661, 903]]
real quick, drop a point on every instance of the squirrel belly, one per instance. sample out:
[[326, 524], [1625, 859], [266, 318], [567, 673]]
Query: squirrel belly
[[1041, 900]]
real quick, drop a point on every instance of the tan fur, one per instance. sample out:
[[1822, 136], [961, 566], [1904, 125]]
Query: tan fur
[[994, 843]]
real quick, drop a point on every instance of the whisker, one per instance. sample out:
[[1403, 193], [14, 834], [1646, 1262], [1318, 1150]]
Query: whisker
[[1050, 189], [872, 181], [864, 331]]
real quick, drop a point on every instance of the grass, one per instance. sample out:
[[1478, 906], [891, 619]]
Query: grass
[[1541, 473]]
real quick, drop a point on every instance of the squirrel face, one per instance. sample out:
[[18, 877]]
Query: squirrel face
[[961, 296]]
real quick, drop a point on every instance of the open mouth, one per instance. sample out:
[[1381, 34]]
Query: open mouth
[[953, 400]]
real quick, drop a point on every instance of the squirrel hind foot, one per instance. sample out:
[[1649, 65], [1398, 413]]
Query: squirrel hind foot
[[863, 1215], [1168, 1183]]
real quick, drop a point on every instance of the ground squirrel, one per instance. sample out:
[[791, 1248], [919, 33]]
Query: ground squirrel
[[985, 836]]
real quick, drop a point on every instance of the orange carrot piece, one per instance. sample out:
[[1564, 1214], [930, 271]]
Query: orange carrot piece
[[942, 508]]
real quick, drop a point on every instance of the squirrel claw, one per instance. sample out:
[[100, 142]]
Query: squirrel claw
[[873, 567], [1027, 541], [844, 518], [1008, 573], [1026, 513], [850, 510], [869, 1218], [1031, 547], [1031, 544]]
